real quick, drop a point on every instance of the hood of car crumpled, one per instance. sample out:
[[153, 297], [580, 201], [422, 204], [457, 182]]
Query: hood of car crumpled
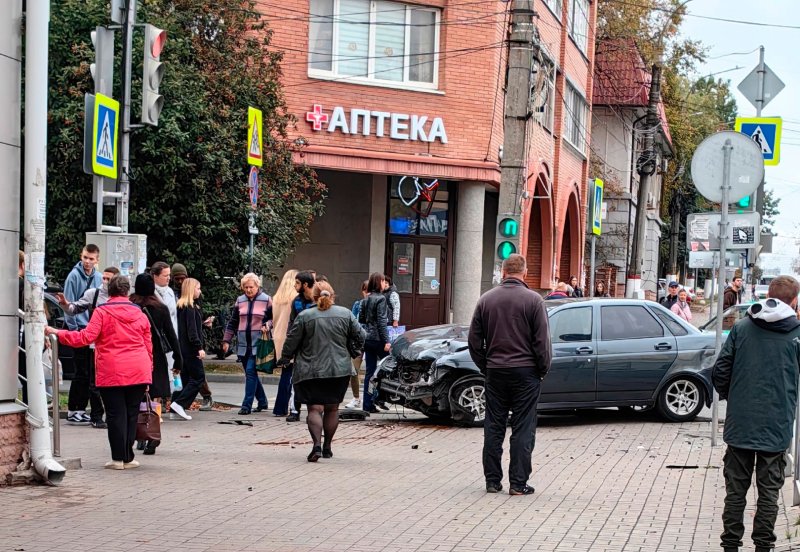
[[431, 342]]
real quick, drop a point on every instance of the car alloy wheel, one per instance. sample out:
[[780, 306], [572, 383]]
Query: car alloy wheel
[[681, 400], [471, 397]]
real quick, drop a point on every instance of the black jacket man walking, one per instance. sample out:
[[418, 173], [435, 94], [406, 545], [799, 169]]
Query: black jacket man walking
[[509, 340], [756, 372]]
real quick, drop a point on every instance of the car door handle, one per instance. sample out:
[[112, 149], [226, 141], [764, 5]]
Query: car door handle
[[663, 347], [584, 351]]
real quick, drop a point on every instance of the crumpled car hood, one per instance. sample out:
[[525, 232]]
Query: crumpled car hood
[[430, 343]]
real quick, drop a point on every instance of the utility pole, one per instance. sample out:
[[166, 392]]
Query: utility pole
[[513, 169], [674, 231], [125, 115], [647, 167]]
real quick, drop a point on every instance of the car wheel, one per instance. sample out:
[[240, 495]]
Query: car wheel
[[468, 402], [681, 400]]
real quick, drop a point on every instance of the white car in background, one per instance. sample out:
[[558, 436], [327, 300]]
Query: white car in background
[[761, 291]]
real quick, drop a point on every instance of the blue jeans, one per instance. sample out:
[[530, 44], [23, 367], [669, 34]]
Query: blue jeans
[[252, 385], [284, 391], [373, 351]]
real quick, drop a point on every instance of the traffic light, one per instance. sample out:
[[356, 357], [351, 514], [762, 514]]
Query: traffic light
[[103, 67], [744, 204], [508, 231], [152, 73]]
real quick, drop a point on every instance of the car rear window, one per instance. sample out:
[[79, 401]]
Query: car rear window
[[628, 322], [672, 325]]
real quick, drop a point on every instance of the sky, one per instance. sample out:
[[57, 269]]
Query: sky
[[733, 45]]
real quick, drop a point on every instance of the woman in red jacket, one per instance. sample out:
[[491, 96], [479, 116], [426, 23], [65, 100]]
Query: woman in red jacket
[[124, 365]]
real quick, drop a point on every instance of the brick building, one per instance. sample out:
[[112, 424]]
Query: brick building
[[400, 107]]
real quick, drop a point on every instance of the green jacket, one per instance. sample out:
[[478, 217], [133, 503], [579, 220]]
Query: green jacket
[[757, 372], [323, 342]]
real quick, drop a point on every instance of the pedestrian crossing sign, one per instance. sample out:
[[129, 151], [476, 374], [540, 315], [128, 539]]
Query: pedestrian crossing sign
[[105, 129], [254, 137], [766, 133]]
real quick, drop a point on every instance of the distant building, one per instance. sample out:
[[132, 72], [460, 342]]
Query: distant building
[[619, 104]]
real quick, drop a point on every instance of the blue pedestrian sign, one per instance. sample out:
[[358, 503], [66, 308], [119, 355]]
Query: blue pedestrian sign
[[766, 133], [597, 207], [105, 129]]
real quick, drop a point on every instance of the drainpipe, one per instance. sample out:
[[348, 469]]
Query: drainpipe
[[36, 90]]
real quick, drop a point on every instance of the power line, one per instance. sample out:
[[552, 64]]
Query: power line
[[709, 17]]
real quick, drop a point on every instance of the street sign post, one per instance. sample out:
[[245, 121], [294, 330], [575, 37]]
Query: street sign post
[[703, 231], [766, 133], [726, 164], [105, 128], [254, 137], [252, 187], [757, 95], [596, 223]]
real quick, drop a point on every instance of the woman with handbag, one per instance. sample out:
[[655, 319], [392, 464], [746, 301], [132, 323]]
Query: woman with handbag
[[190, 337], [164, 341], [322, 341], [124, 365], [373, 316], [252, 321]]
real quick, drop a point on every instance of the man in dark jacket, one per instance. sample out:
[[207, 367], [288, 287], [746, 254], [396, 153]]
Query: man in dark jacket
[[672, 295], [509, 340], [733, 293], [756, 372]]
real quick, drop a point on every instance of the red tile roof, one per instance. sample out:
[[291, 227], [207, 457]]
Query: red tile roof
[[621, 78]]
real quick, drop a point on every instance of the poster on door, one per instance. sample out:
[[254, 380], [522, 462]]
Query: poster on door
[[430, 267], [403, 264]]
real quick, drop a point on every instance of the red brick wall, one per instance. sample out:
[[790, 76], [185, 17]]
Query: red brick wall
[[469, 82], [14, 441]]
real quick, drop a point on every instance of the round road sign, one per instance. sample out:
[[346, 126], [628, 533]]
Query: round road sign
[[252, 185], [746, 170]]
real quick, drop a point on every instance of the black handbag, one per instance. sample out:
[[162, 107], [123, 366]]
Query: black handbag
[[166, 346]]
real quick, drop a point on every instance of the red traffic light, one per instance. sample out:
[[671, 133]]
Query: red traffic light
[[158, 41]]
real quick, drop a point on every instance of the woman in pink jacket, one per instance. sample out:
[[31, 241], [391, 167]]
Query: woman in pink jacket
[[124, 365], [681, 306]]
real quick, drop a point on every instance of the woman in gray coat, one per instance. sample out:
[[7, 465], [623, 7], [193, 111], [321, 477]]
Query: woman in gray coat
[[323, 340]]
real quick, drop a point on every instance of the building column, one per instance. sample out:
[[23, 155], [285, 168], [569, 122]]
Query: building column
[[14, 437], [468, 260], [377, 241]]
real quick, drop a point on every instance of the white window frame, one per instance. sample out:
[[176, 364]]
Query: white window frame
[[572, 96], [581, 41], [556, 7], [546, 116], [371, 79]]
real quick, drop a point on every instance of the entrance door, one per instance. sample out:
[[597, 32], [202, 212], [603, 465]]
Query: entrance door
[[416, 253], [416, 269]]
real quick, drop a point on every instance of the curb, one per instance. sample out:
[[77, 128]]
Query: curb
[[266, 379]]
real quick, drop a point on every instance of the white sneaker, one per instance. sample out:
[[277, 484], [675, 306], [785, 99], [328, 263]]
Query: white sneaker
[[130, 465], [354, 403], [115, 465], [178, 409]]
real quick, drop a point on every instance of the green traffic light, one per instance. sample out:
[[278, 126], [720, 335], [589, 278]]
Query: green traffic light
[[505, 250], [744, 203], [509, 228]]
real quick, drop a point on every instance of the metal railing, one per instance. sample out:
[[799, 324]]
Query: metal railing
[[56, 391]]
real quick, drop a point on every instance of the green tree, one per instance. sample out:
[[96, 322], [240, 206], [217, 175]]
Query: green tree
[[189, 175], [771, 204]]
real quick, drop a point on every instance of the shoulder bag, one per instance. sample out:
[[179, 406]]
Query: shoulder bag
[[265, 353], [166, 346]]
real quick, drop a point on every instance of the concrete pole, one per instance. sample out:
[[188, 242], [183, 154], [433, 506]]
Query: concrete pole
[[36, 90], [723, 243], [633, 287], [513, 170], [469, 250], [759, 206]]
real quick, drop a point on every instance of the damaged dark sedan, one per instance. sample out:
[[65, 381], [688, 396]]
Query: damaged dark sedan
[[606, 352]]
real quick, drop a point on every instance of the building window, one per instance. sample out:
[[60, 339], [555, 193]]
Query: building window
[[579, 23], [575, 113], [543, 91], [418, 206], [555, 7], [375, 41]]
